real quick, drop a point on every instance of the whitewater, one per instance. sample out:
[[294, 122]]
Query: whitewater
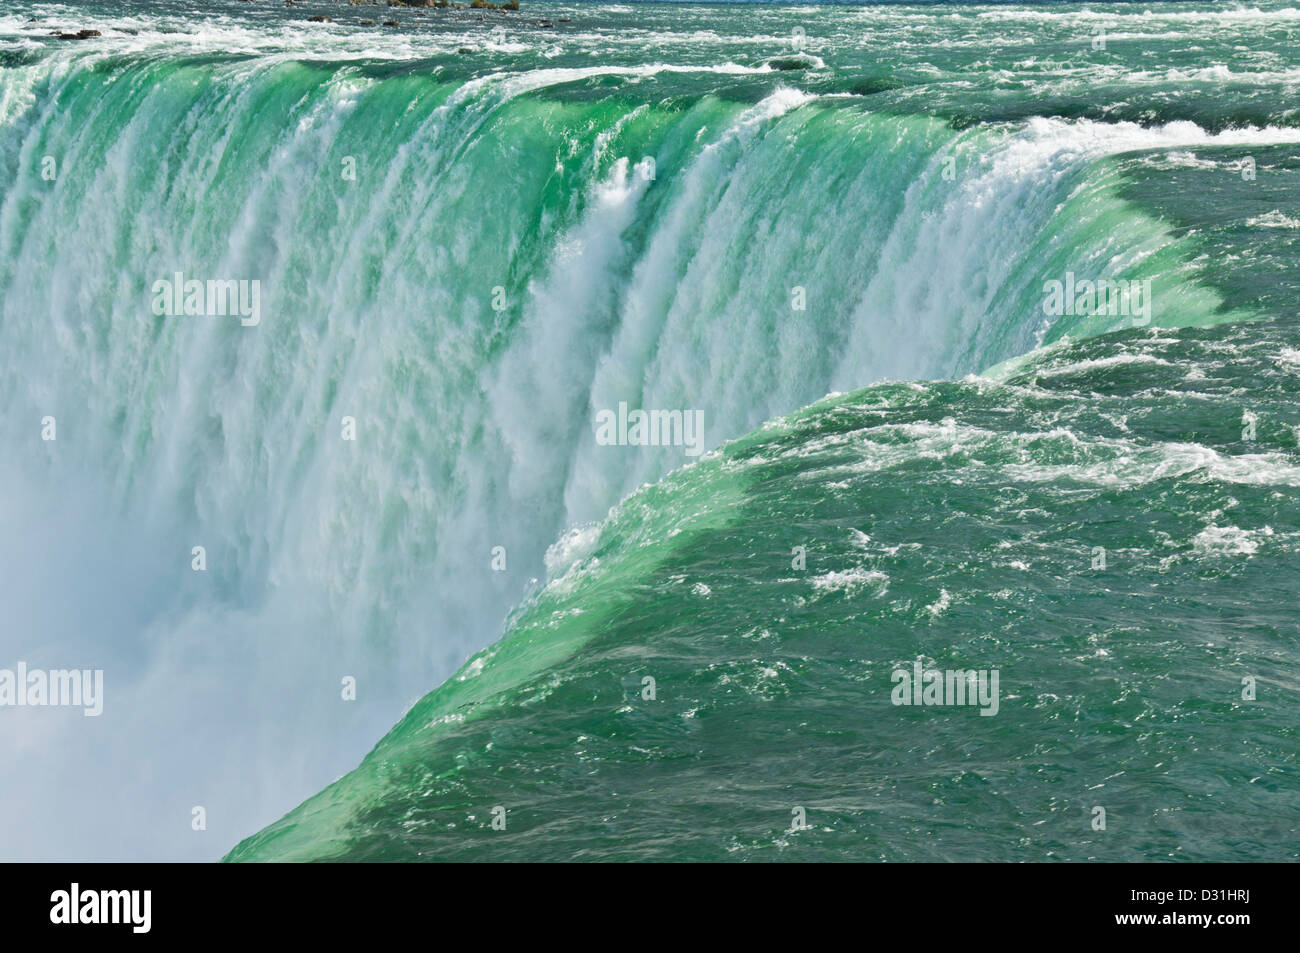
[[826, 228]]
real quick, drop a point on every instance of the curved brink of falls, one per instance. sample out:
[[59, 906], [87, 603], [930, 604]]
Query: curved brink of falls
[[518, 250]]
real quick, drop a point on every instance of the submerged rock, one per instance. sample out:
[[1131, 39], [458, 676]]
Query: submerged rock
[[795, 61]]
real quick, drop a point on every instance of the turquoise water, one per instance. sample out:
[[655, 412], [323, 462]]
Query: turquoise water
[[474, 232], [959, 528]]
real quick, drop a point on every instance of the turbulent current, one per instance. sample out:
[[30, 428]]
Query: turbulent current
[[833, 233]]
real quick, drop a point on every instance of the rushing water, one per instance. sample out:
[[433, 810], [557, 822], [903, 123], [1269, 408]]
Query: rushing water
[[474, 232]]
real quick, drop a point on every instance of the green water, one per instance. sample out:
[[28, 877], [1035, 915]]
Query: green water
[[951, 522], [476, 231]]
